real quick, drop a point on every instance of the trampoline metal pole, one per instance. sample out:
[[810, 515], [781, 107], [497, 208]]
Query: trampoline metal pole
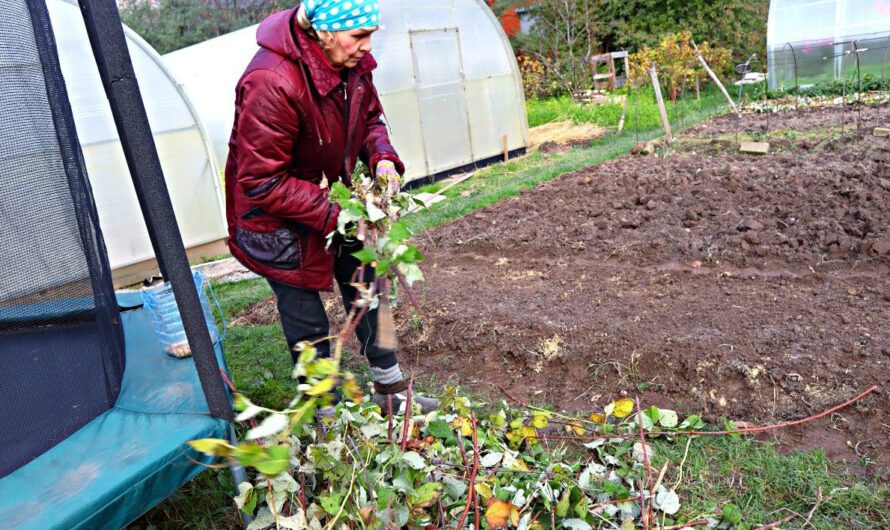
[[109, 46]]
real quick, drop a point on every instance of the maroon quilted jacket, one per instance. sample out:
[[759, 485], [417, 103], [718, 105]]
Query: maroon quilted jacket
[[296, 119]]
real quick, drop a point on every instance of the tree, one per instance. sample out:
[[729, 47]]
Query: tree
[[562, 38], [565, 33], [738, 25], [172, 24]]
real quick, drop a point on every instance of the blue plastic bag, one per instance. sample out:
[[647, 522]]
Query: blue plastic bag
[[161, 303]]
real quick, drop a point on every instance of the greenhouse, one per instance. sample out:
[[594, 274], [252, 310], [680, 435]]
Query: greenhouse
[[809, 41], [191, 170], [448, 108]]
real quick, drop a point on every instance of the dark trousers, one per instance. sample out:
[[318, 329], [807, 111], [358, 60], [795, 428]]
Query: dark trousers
[[303, 316]]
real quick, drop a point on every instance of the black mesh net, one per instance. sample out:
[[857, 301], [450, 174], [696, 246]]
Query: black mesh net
[[61, 346]]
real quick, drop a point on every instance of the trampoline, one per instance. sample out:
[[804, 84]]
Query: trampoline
[[94, 416]]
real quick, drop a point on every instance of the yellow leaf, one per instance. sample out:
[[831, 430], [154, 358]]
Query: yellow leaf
[[497, 512], [466, 428], [483, 490], [352, 390], [599, 419], [624, 407], [212, 446], [574, 427], [539, 419], [322, 387], [529, 433], [514, 515]]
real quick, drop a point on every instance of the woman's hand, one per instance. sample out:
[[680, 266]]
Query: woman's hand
[[386, 172], [388, 176]]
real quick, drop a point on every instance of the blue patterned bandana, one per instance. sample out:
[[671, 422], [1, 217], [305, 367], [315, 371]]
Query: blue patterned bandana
[[343, 15]]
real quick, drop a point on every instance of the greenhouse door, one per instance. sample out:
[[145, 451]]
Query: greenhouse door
[[438, 70]]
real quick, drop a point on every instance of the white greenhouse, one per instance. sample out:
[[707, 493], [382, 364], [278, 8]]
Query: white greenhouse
[[184, 149], [447, 78], [817, 40]]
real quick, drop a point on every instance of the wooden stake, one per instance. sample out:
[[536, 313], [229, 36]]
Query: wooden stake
[[623, 115], [506, 150], [664, 117], [715, 79], [697, 89]]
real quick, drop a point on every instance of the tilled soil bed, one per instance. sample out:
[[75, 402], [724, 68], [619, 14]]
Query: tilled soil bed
[[705, 280]]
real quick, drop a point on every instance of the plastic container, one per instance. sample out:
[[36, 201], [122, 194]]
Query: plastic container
[[161, 303]]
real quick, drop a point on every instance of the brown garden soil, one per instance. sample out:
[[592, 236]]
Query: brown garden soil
[[755, 288]]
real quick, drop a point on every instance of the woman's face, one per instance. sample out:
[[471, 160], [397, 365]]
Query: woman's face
[[346, 48]]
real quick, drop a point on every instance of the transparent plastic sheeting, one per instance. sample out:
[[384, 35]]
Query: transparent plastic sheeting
[[191, 172], [447, 79], [812, 40]]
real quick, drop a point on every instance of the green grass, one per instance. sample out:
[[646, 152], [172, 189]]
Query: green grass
[[501, 181], [764, 484], [642, 111]]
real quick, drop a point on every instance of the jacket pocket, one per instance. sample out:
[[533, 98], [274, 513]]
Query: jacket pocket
[[281, 248]]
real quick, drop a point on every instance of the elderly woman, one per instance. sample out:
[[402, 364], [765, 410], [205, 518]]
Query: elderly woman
[[306, 108]]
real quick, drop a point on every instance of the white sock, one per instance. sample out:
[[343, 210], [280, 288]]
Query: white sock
[[386, 376]]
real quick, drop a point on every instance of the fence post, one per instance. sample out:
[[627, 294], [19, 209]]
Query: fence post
[[715, 78], [664, 118]]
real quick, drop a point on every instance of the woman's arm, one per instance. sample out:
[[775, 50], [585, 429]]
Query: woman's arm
[[267, 129]]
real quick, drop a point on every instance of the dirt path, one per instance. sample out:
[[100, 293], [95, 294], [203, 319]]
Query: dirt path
[[755, 288]]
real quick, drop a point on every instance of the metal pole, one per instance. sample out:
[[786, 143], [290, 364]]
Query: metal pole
[[858, 88], [109, 46]]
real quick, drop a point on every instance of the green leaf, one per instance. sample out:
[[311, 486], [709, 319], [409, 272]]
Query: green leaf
[[277, 460], [668, 502], [383, 266], [491, 459], [212, 446], [410, 255], [399, 232], [365, 255], [339, 192], [582, 507], [731, 514], [239, 402], [616, 490], [248, 454], [693, 422], [331, 502], [246, 498], [562, 508], [669, 419], [385, 496], [454, 488], [414, 460], [426, 495], [576, 524], [440, 429], [270, 426]]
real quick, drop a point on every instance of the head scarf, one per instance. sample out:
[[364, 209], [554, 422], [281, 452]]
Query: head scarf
[[343, 15]]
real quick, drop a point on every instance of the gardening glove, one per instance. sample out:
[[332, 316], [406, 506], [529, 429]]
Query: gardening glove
[[386, 172]]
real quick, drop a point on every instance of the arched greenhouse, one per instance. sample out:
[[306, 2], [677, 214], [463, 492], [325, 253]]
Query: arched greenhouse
[[190, 169], [809, 41], [447, 78]]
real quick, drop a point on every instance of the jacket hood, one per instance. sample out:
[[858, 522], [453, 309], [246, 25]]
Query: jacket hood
[[279, 33]]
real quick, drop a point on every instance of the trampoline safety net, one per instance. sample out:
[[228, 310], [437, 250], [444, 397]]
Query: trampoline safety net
[[61, 344]]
